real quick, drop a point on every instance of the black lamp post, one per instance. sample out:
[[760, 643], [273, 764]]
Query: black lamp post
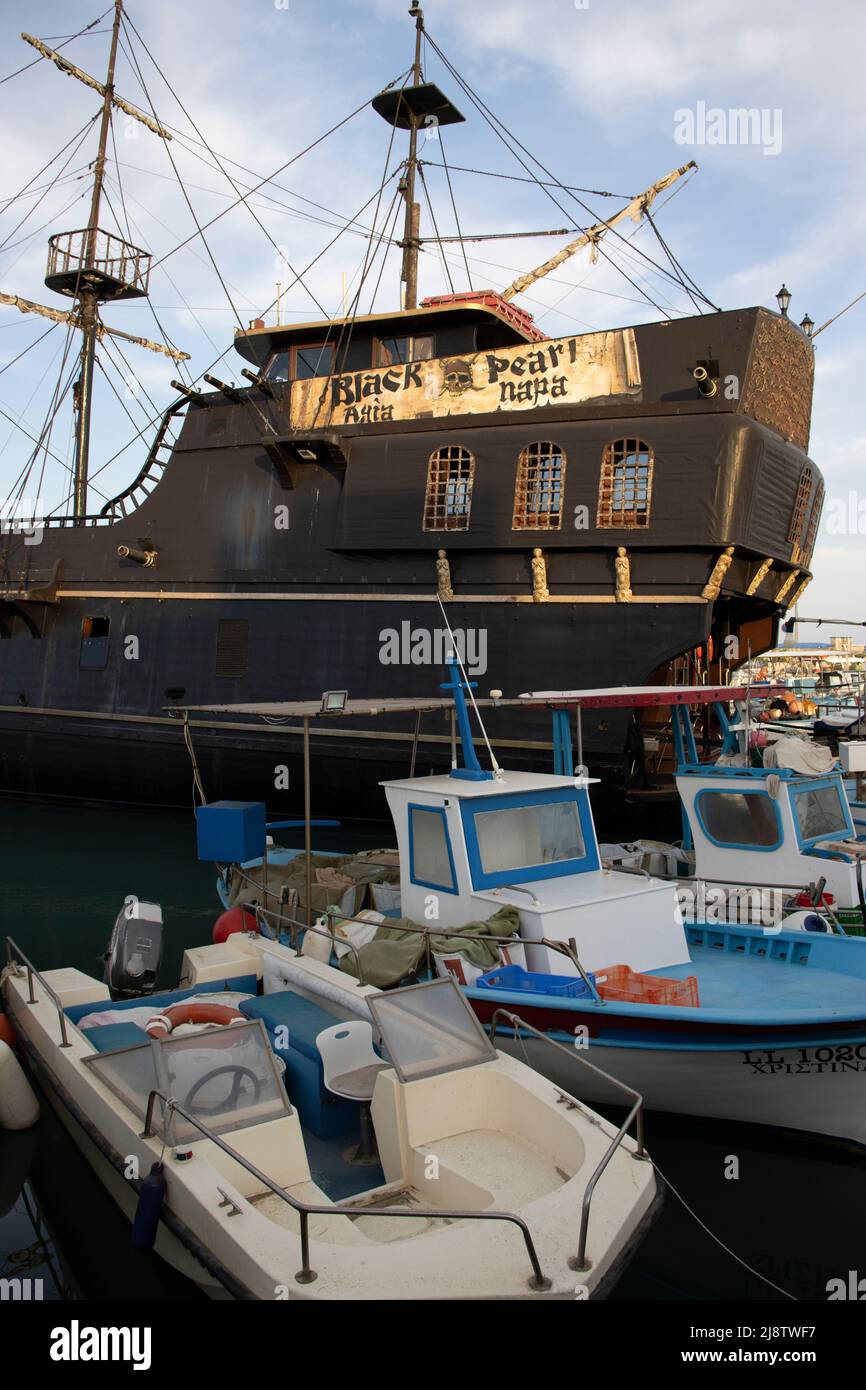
[[783, 298], [807, 326]]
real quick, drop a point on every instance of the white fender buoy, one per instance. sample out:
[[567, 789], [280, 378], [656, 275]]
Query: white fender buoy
[[19, 1108]]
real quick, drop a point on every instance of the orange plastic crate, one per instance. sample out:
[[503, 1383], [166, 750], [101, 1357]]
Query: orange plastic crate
[[631, 987]]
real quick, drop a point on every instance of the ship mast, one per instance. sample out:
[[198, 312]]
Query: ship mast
[[92, 266], [412, 224], [89, 297]]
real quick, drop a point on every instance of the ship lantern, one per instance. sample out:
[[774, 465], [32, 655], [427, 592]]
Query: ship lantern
[[783, 297]]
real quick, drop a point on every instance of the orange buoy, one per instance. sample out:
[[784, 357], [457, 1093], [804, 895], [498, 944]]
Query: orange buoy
[[162, 1024], [235, 920]]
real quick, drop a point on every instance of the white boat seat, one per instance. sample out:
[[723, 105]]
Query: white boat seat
[[358, 1084], [349, 1063]]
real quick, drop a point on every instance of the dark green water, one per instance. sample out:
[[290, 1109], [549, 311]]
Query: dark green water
[[796, 1214]]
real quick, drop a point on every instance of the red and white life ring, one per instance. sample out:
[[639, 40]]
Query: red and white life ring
[[162, 1024]]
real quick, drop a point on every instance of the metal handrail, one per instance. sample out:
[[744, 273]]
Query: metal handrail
[[31, 971], [306, 1274], [579, 1261]]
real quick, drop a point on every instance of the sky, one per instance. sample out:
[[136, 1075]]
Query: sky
[[607, 95]]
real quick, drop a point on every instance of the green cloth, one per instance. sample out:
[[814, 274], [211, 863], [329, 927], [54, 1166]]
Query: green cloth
[[395, 952]]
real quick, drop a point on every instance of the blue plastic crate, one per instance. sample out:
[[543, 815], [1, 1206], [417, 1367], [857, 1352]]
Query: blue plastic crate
[[515, 978]]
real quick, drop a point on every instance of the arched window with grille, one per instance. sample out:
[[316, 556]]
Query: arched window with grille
[[538, 488], [801, 508], [625, 489], [448, 501], [812, 530]]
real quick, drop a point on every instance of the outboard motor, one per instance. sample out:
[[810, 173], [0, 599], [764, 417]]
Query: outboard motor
[[135, 950]]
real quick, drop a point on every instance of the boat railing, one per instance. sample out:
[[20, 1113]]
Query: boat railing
[[296, 928], [306, 1274], [635, 1114], [15, 957]]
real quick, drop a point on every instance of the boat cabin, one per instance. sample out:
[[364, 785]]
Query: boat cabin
[[473, 842]]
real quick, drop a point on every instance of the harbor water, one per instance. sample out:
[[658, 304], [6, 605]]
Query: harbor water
[[787, 1210]]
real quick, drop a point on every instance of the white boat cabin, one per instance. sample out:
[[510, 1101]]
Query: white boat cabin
[[771, 826], [472, 842]]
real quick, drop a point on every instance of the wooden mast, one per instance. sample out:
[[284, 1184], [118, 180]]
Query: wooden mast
[[412, 223], [88, 297]]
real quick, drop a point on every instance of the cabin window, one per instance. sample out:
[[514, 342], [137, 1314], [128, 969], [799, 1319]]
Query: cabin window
[[94, 644], [450, 475], [538, 488], [392, 351], [745, 820], [625, 489], [801, 506], [819, 812], [430, 860], [521, 836], [313, 359], [232, 649], [278, 367]]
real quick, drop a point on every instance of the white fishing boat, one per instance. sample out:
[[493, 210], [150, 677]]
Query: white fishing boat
[[756, 1023], [218, 1117]]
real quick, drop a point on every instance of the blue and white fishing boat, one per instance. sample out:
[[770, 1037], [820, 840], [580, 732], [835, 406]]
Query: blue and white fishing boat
[[769, 832], [746, 1023]]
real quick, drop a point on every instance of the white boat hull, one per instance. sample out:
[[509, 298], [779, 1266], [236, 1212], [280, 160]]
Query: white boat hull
[[819, 1090]]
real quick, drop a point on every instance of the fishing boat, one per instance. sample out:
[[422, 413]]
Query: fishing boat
[[768, 830], [601, 505], [764, 1024], [218, 1117]]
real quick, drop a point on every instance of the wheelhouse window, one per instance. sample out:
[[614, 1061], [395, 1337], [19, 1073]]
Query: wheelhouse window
[[748, 820], [448, 501], [819, 812], [625, 488], [278, 367], [519, 838], [431, 864], [538, 488], [313, 359], [94, 644], [392, 351]]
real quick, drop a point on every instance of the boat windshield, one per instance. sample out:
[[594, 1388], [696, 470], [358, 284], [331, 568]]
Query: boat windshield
[[226, 1077], [429, 1029], [820, 811], [519, 837]]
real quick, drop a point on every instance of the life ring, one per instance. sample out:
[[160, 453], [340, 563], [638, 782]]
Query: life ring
[[162, 1024]]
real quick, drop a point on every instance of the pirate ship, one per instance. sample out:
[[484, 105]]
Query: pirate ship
[[622, 507]]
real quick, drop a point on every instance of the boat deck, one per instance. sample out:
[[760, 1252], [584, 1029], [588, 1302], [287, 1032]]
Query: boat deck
[[739, 982]]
